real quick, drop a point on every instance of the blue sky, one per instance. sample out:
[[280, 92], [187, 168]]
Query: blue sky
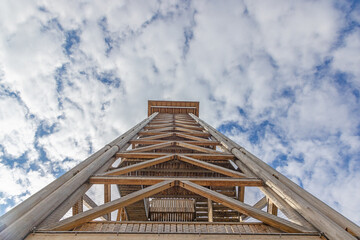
[[279, 77]]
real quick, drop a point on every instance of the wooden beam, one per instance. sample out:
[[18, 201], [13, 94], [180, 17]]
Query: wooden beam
[[161, 121], [187, 136], [161, 129], [157, 136], [241, 194], [24, 207], [304, 207], [139, 166], [35, 215], [272, 220], [71, 222], [121, 215], [258, 205], [89, 203], [210, 211], [151, 147], [324, 218], [173, 124], [198, 143], [196, 134], [212, 167], [187, 122], [118, 216], [289, 212], [168, 234], [201, 156], [107, 197], [197, 148], [271, 207], [78, 207], [189, 126], [130, 180], [63, 208], [182, 129], [158, 126]]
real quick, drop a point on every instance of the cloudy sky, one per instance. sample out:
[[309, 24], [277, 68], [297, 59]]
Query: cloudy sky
[[282, 78]]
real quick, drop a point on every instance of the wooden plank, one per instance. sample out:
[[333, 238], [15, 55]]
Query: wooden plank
[[272, 220], [161, 121], [187, 136], [153, 133], [212, 167], [200, 143], [151, 147], [130, 180], [163, 129], [139, 166], [197, 148], [191, 131], [89, 215], [172, 236], [158, 126], [189, 126], [201, 156], [157, 136]]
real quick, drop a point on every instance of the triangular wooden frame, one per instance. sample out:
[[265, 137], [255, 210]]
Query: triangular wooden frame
[[196, 143]]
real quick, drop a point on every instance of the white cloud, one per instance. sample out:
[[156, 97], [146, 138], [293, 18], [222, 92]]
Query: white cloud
[[262, 57], [296, 34], [20, 183], [347, 59], [17, 133]]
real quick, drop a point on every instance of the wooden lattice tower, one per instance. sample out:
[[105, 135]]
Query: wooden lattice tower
[[177, 178]]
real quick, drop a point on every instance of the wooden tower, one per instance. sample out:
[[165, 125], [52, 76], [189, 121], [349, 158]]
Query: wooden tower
[[173, 176]]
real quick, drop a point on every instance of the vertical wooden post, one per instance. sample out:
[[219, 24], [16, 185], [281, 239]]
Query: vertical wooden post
[[78, 207], [210, 210], [124, 216], [119, 213], [241, 197], [271, 207], [107, 197], [241, 193]]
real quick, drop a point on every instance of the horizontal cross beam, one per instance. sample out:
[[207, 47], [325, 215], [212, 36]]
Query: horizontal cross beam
[[130, 180], [201, 156]]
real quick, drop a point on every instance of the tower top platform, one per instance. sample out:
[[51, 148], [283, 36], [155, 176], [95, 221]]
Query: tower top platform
[[181, 107]]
